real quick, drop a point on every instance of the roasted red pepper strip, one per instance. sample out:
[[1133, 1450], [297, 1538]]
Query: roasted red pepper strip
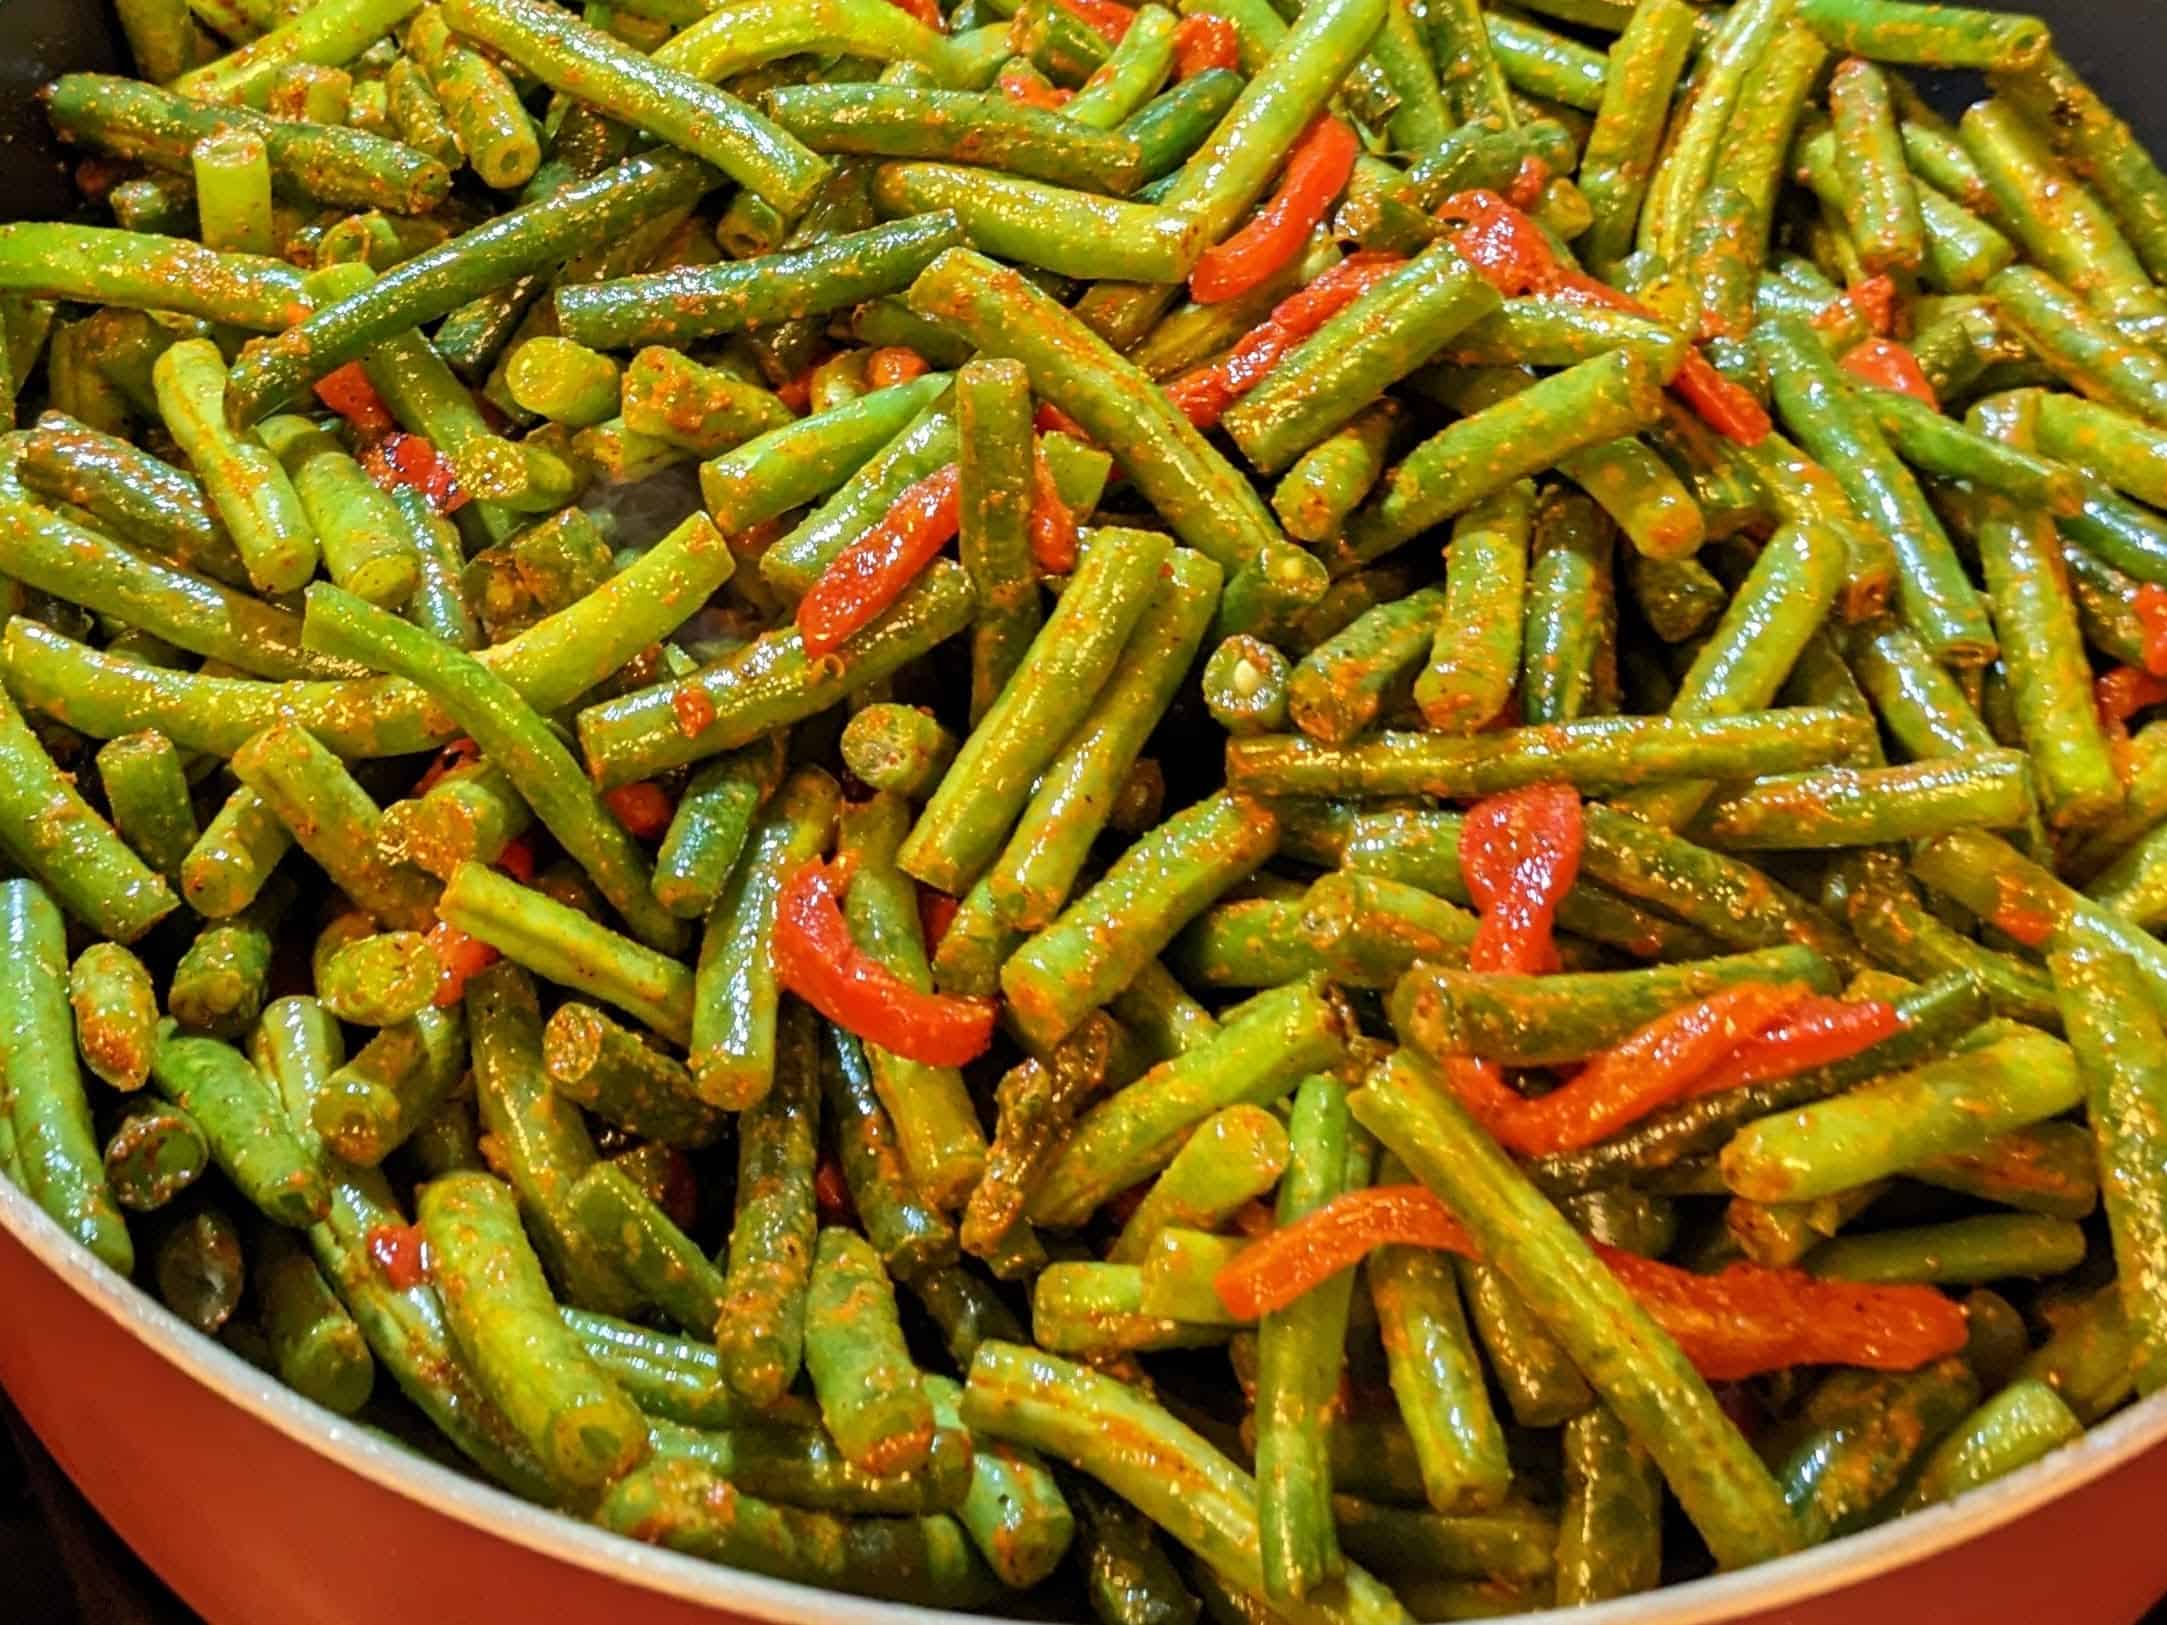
[[1888, 365], [894, 364], [1203, 394], [517, 860], [1746, 1321], [1528, 182], [1815, 1032], [816, 959], [1510, 250], [2150, 605], [399, 1251], [1873, 301], [1489, 1099], [797, 393], [1316, 171], [870, 573], [1519, 854], [936, 913], [1651, 1067], [1052, 528], [2117, 696], [1203, 41], [926, 11], [1109, 18], [1032, 90], [458, 956], [348, 392], [644, 808], [409, 459], [1050, 419]]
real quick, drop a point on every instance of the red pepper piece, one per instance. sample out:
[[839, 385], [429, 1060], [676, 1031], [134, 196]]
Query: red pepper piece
[[1316, 171], [2150, 606], [1489, 1099], [1888, 365], [1203, 394], [1032, 91], [409, 459], [348, 392], [1109, 18], [797, 393], [2017, 912], [936, 913], [1519, 854], [1651, 1067], [2117, 696], [399, 1251], [926, 11], [1051, 526], [1817, 1031], [456, 754], [1528, 182], [894, 364], [816, 959], [1746, 1321], [458, 957], [1203, 41], [871, 572], [644, 809], [831, 1195], [1050, 419], [1511, 251], [517, 860]]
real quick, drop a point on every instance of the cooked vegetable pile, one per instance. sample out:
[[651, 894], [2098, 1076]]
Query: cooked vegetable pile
[[1488, 941]]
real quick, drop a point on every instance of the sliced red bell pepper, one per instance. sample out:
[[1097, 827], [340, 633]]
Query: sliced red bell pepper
[[1316, 171], [1872, 301], [348, 392], [1528, 182], [1817, 1031], [816, 959], [399, 1251], [894, 364], [1743, 1322], [1489, 1099], [936, 913], [1032, 90], [871, 572], [1050, 419], [797, 393], [454, 755], [1519, 854], [517, 859], [1510, 249], [926, 11], [1203, 394], [1109, 18], [1052, 528], [1649, 1068], [2150, 605], [1203, 41], [644, 808], [458, 957], [409, 459], [1888, 365]]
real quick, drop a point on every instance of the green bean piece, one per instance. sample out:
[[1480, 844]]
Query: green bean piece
[[471, 814], [99, 265], [1661, 1401], [1586, 405], [1541, 1385], [1474, 657], [1883, 211], [1568, 628], [871, 1397], [896, 121], [1951, 1105], [1610, 1533], [1172, 1474], [624, 1080], [1849, 806], [913, 1239], [1990, 1247], [147, 792], [708, 830], [1330, 480], [372, 1104], [1157, 886], [319, 1350], [156, 1152], [2086, 352], [232, 174], [496, 1300], [1175, 469], [1437, 1378], [565, 382], [116, 1014], [2016, 1427], [735, 993], [799, 1466], [1645, 66], [140, 498], [367, 548], [219, 984], [379, 979], [1857, 1434], [333, 820], [695, 408], [1255, 1060], [198, 1268], [1127, 1575], [266, 1160], [993, 445], [1246, 685], [900, 749], [1234, 1157], [247, 487]]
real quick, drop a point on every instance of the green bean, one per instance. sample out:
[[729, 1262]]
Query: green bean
[[1859, 1431], [220, 983], [1661, 1401], [1681, 176], [1848, 806], [1583, 406], [1246, 685], [1127, 1576], [1931, 442], [198, 1268], [2097, 145], [735, 992], [249, 490], [870, 1395], [334, 821], [1610, 1534], [319, 1349], [1645, 66], [1991, 1247], [1594, 754], [2016, 1427], [366, 545], [2087, 353], [1330, 480], [372, 1104], [894, 121], [1883, 208], [146, 790], [1233, 1157], [471, 813], [911, 1236], [140, 498], [622, 1079], [156, 1152]]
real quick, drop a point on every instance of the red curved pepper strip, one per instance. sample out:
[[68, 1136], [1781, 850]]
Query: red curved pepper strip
[[409, 459], [816, 959], [1203, 41], [1817, 1031], [517, 860], [1873, 301], [2150, 606], [1746, 1321], [1489, 1099], [1888, 365], [1528, 182], [1519, 854], [348, 392], [2121, 693], [1052, 528], [1650, 1067], [458, 957], [1203, 394], [1050, 419], [936, 913], [894, 364], [1108, 17], [1316, 171], [1512, 252], [644, 808], [1032, 91], [871, 572]]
